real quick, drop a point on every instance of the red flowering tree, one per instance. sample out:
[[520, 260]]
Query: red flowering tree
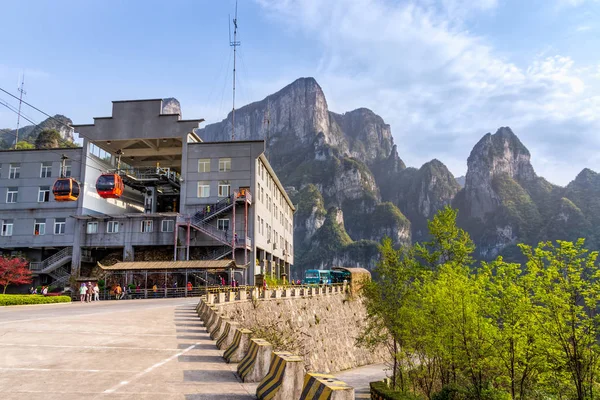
[[14, 271]]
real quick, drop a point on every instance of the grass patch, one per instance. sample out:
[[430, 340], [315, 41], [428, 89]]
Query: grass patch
[[21, 299]]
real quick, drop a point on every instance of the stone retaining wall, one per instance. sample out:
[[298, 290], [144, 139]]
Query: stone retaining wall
[[322, 329]]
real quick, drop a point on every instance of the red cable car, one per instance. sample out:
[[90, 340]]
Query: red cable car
[[109, 186], [65, 189]]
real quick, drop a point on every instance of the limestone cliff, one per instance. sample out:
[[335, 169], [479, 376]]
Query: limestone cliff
[[30, 133]]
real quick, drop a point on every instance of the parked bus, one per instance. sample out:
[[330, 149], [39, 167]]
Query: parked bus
[[317, 277]]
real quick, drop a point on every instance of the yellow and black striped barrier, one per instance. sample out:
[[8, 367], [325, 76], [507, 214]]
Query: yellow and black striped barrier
[[216, 327], [239, 346], [255, 364], [213, 317], [284, 379], [208, 311], [325, 387], [226, 336]]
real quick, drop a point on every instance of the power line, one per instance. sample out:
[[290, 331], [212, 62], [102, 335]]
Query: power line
[[49, 150]]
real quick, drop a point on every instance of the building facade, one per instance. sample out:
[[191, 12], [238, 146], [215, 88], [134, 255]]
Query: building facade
[[183, 197]]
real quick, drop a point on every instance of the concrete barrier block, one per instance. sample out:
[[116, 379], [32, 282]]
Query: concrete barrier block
[[285, 378], [212, 320], [255, 364], [210, 298], [232, 296], [239, 346], [277, 293], [321, 386], [243, 295], [296, 292], [287, 292], [221, 297], [216, 328], [266, 294], [206, 314], [226, 337]]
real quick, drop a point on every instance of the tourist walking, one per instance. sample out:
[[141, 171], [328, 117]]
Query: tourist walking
[[45, 290], [89, 293], [118, 292], [82, 292], [96, 292]]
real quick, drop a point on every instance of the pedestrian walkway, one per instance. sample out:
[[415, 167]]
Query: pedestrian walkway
[[156, 349]]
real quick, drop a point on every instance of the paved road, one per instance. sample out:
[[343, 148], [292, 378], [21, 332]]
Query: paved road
[[360, 377], [136, 349]]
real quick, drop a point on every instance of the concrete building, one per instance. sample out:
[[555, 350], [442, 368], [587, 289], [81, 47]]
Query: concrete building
[[184, 199]]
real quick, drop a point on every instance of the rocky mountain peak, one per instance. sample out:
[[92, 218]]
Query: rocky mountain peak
[[171, 105], [585, 176]]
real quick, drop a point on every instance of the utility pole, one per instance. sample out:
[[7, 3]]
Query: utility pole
[[21, 93], [233, 44]]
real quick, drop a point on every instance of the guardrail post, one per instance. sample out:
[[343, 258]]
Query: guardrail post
[[285, 378], [255, 364], [320, 386], [239, 346]]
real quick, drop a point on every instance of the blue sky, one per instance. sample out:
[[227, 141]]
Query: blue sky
[[441, 72]]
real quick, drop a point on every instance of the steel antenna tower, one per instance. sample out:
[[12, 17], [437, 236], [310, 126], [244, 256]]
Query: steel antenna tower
[[22, 92], [233, 44]]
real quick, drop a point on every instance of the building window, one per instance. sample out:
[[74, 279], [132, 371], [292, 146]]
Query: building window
[[14, 171], [224, 188], [224, 164], [44, 194], [68, 169], [203, 189], [46, 171], [112, 227], [11, 195], [204, 165], [7, 227], [59, 226], [39, 227], [92, 227], [258, 191], [147, 226], [223, 224], [168, 225], [262, 226]]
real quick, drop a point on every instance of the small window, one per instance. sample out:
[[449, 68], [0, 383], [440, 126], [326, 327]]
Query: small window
[[224, 164], [259, 192], [203, 189], [44, 194], [46, 171], [168, 225], [14, 171], [223, 224], [39, 227], [112, 227], [204, 165], [7, 227], [12, 194], [92, 227], [59, 226], [224, 188], [146, 226]]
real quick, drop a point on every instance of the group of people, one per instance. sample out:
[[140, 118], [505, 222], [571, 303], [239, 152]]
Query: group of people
[[89, 292], [43, 291]]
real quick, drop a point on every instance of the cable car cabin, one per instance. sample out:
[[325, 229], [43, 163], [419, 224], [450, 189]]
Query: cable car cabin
[[109, 186], [65, 189]]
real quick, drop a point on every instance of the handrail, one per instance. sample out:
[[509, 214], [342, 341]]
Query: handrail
[[41, 265]]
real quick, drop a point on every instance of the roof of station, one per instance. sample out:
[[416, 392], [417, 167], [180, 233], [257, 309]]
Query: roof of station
[[171, 265]]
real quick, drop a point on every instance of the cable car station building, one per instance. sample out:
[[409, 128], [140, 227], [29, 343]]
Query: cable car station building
[[147, 183]]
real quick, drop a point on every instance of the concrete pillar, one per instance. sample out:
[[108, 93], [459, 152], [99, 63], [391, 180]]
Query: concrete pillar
[[285, 378], [320, 383], [255, 365], [239, 346], [226, 337], [128, 253]]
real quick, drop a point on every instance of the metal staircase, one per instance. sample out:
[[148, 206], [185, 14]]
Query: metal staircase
[[212, 210], [53, 262], [60, 277]]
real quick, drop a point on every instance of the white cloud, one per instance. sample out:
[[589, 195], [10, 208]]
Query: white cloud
[[441, 87]]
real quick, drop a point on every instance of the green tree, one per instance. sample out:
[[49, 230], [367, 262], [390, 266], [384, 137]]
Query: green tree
[[48, 139], [566, 290], [23, 145]]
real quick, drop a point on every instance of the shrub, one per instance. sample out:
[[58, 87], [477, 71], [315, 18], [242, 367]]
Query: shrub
[[381, 389], [21, 299]]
